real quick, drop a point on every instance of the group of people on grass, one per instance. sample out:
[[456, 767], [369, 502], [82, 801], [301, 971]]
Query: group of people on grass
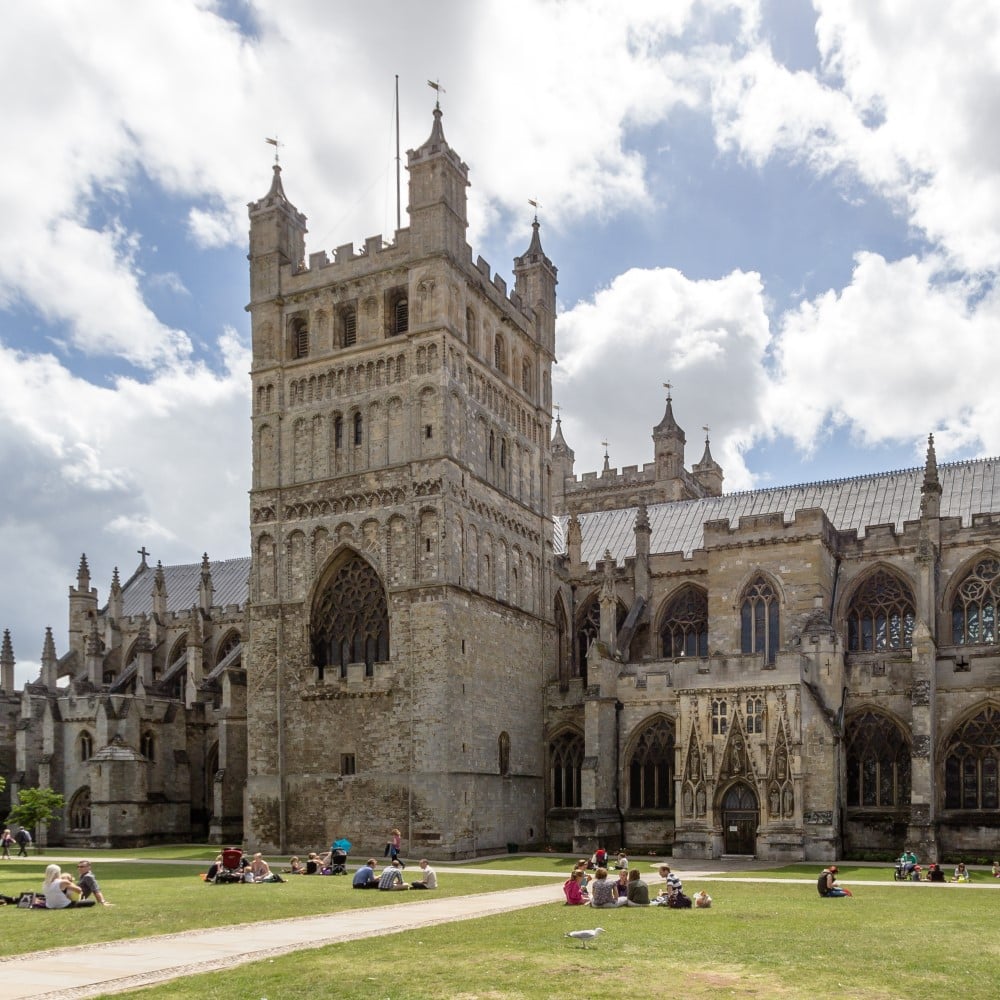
[[909, 867], [246, 869], [60, 892], [391, 879], [628, 889], [829, 887]]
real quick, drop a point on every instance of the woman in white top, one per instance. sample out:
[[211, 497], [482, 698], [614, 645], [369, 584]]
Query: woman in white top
[[57, 888]]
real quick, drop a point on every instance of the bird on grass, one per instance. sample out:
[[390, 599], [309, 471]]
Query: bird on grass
[[584, 936]]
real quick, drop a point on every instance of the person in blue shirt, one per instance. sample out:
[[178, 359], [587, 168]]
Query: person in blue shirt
[[364, 877]]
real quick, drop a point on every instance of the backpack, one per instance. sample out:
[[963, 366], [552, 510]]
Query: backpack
[[678, 901]]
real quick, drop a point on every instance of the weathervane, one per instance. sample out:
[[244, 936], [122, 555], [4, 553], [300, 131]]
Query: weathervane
[[704, 427], [274, 142], [557, 408], [668, 386], [440, 90], [536, 205]]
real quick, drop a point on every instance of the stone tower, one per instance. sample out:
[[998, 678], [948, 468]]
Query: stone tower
[[400, 609]]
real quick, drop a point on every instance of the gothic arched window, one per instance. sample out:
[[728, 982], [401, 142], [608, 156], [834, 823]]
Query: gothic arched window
[[79, 810], [300, 338], [470, 329], [972, 762], [878, 762], [86, 746], [148, 746], [358, 425], [348, 326], [651, 768], [974, 610], [500, 355], [229, 645], [589, 628], [755, 715], [881, 615], [526, 376], [503, 753], [350, 620], [399, 314], [684, 631], [565, 766], [759, 619], [720, 717]]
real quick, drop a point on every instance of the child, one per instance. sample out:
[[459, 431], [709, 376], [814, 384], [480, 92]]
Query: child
[[702, 900]]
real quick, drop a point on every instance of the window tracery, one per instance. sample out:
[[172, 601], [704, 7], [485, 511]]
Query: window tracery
[[972, 763], [878, 762], [565, 767], [881, 615], [651, 768], [350, 621], [684, 631], [759, 619], [79, 810], [974, 610]]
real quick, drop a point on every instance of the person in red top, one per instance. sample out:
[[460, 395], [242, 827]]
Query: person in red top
[[573, 891]]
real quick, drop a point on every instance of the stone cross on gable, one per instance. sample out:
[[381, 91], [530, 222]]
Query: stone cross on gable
[[143, 553]]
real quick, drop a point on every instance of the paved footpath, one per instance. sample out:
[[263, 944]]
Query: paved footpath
[[95, 969]]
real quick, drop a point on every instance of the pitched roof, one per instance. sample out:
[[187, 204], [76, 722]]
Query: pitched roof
[[968, 488], [230, 585]]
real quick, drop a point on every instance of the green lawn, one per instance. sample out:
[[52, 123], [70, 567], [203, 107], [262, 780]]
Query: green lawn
[[767, 941], [155, 898], [761, 940]]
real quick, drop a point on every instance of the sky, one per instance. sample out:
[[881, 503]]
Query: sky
[[789, 211]]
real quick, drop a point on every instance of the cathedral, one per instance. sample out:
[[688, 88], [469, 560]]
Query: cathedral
[[441, 627]]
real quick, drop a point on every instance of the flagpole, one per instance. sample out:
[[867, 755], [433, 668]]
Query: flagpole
[[398, 218]]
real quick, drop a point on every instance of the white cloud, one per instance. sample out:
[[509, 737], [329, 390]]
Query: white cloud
[[707, 338], [888, 356]]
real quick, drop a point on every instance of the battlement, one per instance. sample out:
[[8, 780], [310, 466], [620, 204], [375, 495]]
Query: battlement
[[377, 254], [612, 478]]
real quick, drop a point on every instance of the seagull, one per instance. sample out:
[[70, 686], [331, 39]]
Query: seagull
[[585, 936]]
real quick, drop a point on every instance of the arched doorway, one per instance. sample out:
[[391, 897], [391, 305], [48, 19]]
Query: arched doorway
[[740, 816]]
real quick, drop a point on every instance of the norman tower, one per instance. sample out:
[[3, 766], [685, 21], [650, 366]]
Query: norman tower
[[400, 606]]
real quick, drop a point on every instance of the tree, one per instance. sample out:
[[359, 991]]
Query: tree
[[35, 807]]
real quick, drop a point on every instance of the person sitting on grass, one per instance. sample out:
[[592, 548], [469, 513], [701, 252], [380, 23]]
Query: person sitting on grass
[[364, 877], [430, 879], [638, 891], [961, 873], [621, 885], [827, 886], [295, 867], [935, 873], [392, 877], [572, 891], [88, 883], [602, 892], [61, 891]]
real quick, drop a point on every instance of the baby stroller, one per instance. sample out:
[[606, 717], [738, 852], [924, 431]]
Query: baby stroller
[[338, 856], [231, 868]]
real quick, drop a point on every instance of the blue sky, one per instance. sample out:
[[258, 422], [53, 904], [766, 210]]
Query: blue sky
[[789, 210]]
